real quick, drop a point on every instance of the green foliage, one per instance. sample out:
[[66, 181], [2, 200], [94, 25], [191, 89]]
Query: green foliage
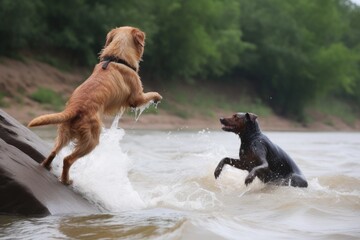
[[190, 100], [49, 97], [330, 106], [299, 55], [196, 38], [19, 25], [293, 51], [352, 40]]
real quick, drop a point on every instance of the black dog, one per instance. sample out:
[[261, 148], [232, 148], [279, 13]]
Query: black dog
[[258, 155]]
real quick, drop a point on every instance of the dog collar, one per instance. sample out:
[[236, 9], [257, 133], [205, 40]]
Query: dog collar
[[107, 60]]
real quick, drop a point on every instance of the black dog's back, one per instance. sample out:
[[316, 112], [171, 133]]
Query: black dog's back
[[281, 165], [279, 161]]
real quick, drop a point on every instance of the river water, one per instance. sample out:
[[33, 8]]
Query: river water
[[160, 185]]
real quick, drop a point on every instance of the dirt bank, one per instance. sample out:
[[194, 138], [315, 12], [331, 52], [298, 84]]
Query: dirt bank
[[19, 79]]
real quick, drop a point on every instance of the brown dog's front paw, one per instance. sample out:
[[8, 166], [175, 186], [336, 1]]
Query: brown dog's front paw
[[157, 98]]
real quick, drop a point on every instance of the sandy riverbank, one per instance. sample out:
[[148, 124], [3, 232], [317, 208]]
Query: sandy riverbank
[[19, 79]]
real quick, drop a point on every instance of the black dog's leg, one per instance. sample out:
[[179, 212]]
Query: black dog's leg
[[297, 180], [230, 161], [260, 171]]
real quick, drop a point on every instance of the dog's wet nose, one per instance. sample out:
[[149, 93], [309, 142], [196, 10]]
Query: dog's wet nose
[[221, 120]]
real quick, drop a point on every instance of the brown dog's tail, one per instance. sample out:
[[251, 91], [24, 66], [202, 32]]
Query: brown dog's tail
[[54, 118]]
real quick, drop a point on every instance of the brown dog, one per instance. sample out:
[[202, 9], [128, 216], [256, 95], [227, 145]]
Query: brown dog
[[113, 86]]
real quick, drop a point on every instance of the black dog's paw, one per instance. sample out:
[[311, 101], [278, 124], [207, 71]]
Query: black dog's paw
[[219, 168], [217, 171], [250, 178]]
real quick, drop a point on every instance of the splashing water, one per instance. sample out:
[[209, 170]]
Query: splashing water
[[160, 185], [116, 120], [102, 175], [139, 110]]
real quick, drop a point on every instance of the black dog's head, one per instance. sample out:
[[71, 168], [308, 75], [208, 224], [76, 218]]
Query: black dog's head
[[239, 122]]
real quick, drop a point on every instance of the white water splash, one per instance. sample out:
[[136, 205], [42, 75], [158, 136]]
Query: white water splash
[[139, 110], [188, 196], [116, 120], [232, 180], [102, 175]]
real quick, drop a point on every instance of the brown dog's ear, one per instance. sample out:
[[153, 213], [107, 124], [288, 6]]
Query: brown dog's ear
[[109, 37], [250, 116], [139, 37]]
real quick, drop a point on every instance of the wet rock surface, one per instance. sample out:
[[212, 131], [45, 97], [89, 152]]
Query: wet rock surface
[[26, 188]]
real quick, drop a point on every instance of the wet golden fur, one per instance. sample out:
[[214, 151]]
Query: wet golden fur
[[106, 91]]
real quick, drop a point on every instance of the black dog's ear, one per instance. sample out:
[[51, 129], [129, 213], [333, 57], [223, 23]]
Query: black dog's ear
[[250, 116]]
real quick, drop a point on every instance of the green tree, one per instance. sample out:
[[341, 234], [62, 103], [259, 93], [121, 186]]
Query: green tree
[[352, 40], [292, 51], [76, 29], [19, 24], [195, 38], [299, 54], [73, 28]]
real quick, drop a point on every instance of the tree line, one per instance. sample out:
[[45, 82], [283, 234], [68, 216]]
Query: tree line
[[291, 52]]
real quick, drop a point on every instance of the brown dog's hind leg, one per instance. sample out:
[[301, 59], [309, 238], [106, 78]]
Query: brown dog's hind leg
[[69, 160], [47, 162], [62, 140], [87, 141]]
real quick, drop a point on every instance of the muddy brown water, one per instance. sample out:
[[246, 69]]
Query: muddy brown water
[[160, 185]]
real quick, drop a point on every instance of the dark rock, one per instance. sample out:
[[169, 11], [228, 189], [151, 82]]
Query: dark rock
[[26, 188], [17, 135]]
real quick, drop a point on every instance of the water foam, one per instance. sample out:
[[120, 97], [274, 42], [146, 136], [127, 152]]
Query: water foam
[[139, 110], [232, 180], [102, 175], [184, 195]]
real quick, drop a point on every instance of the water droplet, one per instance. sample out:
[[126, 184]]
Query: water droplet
[[139, 110]]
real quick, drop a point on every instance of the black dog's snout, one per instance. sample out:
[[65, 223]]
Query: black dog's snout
[[221, 120]]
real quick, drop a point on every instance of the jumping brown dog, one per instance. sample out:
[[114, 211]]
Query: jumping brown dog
[[113, 86], [258, 155]]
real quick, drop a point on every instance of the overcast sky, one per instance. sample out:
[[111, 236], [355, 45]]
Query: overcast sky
[[356, 1]]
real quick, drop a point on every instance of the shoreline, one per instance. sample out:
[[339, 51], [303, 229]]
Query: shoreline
[[165, 121], [32, 74], [271, 123]]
